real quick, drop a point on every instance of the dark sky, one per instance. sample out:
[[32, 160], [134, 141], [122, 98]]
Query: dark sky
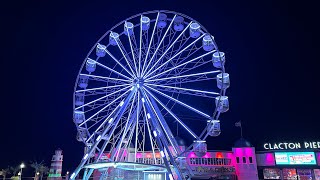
[[272, 56]]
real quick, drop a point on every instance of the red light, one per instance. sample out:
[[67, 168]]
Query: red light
[[158, 155], [219, 155], [148, 155]]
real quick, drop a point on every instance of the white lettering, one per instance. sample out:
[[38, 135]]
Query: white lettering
[[314, 144], [291, 146], [280, 145], [306, 145]]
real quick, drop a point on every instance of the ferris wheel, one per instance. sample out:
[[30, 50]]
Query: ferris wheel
[[149, 74]]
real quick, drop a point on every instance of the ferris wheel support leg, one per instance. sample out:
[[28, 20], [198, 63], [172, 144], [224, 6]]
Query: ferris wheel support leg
[[91, 151], [85, 173], [89, 174], [161, 142]]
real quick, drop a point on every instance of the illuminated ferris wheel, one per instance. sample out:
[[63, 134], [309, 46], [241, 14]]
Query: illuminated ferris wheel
[[146, 74]]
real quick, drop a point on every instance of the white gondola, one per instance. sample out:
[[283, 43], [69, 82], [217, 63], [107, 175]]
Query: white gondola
[[178, 23], [79, 99], [78, 117], [128, 28], [195, 30], [162, 20], [200, 148], [223, 81], [222, 103], [83, 81], [218, 59], [207, 43], [113, 38], [91, 65], [213, 128], [101, 50], [145, 21], [82, 135]]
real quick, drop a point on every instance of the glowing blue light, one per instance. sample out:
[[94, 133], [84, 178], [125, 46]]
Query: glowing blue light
[[155, 133], [86, 156], [110, 121], [72, 175], [148, 115], [121, 103], [98, 138], [162, 154], [143, 101]]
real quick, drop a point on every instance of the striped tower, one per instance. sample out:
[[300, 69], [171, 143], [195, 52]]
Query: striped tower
[[56, 166]]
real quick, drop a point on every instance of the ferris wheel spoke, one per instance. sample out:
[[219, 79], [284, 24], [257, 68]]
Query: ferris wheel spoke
[[114, 71], [149, 132], [140, 47], [172, 44], [121, 48], [164, 36], [108, 95], [107, 78], [181, 103], [184, 76], [181, 90], [183, 50], [118, 62], [150, 43], [161, 121], [172, 114], [124, 132], [192, 60], [99, 88], [105, 107], [132, 52]]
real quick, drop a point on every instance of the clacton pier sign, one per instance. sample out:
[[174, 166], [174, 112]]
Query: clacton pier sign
[[292, 145]]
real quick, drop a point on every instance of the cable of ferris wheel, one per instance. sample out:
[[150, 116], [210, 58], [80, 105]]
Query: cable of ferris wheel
[[133, 56], [181, 103], [155, 52], [181, 65], [151, 39], [173, 43], [183, 50], [117, 61], [173, 115]]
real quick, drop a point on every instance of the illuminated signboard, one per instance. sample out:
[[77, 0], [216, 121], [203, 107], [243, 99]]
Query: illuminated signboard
[[292, 145], [298, 158]]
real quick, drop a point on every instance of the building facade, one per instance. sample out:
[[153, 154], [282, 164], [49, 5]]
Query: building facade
[[243, 162]]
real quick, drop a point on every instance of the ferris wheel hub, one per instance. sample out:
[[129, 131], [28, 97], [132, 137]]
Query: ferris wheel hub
[[138, 82]]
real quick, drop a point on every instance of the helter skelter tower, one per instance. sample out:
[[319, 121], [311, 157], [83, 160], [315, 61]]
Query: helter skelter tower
[[146, 74]]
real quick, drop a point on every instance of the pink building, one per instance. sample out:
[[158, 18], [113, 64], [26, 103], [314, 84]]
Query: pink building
[[243, 162]]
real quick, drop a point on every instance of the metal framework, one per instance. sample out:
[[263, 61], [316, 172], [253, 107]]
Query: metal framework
[[142, 75]]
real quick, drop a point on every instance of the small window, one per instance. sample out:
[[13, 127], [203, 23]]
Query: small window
[[244, 160], [250, 160], [238, 160]]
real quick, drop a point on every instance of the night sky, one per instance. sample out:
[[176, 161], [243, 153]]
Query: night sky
[[272, 53]]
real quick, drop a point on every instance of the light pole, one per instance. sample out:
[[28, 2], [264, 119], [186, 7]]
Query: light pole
[[21, 167]]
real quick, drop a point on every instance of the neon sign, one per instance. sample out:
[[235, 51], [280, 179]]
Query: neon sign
[[291, 158], [292, 145]]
